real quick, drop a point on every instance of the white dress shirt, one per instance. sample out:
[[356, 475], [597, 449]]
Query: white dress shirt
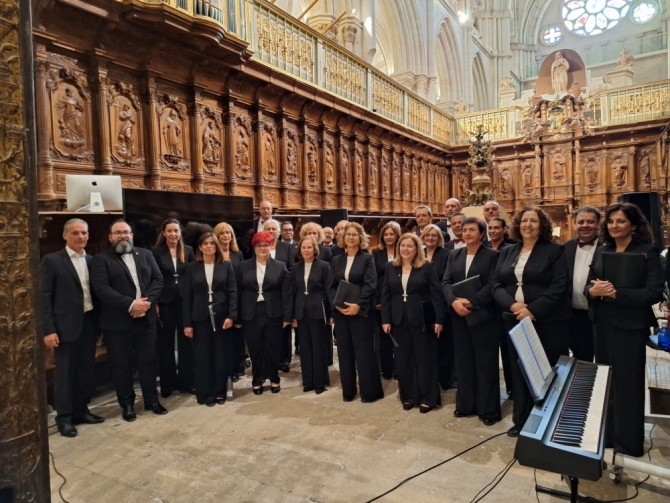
[[583, 259], [518, 272], [130, 263], [350, 261], [209, 274], [468, 262], [79, 263], [460, 244], [260, 277], [308, 269], [261, 224]]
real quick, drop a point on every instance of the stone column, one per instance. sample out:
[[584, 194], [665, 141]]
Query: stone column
[[24, 452]]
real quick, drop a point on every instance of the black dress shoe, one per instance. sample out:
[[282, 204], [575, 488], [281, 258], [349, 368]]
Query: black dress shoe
[[67, 430], [88, 418], [258, 391], [458, 413], [348, 398], [128, 413], [407, 406], [220, 400], [320, 390], [489, 422], [368, 400], [283, 367], [166, 393], [235, 377], [275, 389], [424, 409], [307, 389], [156, 408], [514, 431], [209, 402]]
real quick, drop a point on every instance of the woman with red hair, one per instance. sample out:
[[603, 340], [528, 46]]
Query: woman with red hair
[[265, 307]]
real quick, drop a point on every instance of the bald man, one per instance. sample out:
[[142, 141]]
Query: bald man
[[265, 210], [452, 206]]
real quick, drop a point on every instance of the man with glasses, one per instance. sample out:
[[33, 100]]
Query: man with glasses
[[128, 282]]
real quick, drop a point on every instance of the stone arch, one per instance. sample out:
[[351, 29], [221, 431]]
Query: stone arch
[[448, 63], [480, 95], [399, 21]]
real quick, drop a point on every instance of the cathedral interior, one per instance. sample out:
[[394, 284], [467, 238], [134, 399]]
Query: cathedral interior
[[367, 105]]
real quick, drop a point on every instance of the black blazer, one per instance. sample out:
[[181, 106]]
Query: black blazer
[[483, 264], [504, 244], [423, 287], [570, 252], [63, 296], [165, 264], [195, 292], [362, 274], [277, 290], [440, 257], [632, 307], [114, 285], [381, 258], [336, 250], [545, 281], [316, 299], [324, 254], [284, 252], [236, 258], [451, 245]]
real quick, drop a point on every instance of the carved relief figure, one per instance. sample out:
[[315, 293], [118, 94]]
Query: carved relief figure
[[559, 74], [592, 173], [359, 171], [242, 156], [373, 174], [620, 172], [528, 179], [330, 170], [385, 176], [311, 166], [396, 177], [505, 182], [172, 134], [405, 176], [210, 144], [126, 148], [463, 183], [415, 181], [70, 112], [291, 163], [558, 166], [345, 167], [644, 168], [269, 167]]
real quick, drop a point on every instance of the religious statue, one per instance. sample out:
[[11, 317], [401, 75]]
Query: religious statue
[[210, 144], [70, 112], [415, 179], [373, 174], [345, 168], [620, 171], [291, 163], [625, 59], [330, 171], [505, 184], [269, 159], [396, 177], [385, 176], [644, 168], [171, 134], [125, 147], [528, 178], [463, 184], [558, 166], [592, 173], [359, 171], [559, 74], [242, 154], [311, 166]]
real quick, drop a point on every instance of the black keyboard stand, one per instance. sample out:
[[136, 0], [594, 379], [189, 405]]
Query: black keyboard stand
[[573, 495]]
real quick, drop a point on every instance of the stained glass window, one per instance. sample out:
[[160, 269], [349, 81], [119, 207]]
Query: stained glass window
[[644, 11], [593, 17], [551, 35]]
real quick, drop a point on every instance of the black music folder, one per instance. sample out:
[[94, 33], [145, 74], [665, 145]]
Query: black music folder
[[467, 289], [346, 292], [625, 270], [427, 316]]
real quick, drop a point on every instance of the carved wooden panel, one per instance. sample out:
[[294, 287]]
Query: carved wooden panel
[[124, 111], [174, 134], [242, 143], [269, 154], [330, 169], [592, 166], [619, 170], [292, 161], [211, 137]]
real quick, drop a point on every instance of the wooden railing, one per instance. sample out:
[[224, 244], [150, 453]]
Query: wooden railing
[[632, 104], [501, 124]]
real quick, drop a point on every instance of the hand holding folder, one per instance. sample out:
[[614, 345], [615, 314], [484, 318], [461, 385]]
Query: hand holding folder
[[467, 289]]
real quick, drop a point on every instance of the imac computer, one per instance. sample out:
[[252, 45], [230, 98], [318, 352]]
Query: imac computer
[[94, 193]]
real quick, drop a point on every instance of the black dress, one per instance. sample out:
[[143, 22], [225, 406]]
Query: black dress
[[475, 346], [621, 328]]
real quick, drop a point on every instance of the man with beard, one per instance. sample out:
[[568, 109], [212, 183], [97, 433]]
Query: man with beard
[[128, 282]]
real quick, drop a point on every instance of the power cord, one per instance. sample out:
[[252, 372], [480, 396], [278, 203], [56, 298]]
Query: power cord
[[434, 466], [495, 482], [53, 462]]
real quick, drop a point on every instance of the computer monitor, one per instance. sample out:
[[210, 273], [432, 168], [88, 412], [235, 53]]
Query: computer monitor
[[94, 193]]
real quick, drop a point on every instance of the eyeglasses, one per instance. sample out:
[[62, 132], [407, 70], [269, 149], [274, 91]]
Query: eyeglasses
[[351, 235], [121, 233], [262, 246]]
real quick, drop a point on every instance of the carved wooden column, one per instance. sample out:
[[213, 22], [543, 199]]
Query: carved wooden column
[[197, 176], [45, 165], [24, 452], [103, 151], [323, 183], [257, 127], [229, 121], [153, 173], [282, 165], [396, 176]]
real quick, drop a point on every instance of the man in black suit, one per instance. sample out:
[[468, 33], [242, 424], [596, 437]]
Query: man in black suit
[[579, 253], [424, 216], [128, 282], [335, 250], [70, 327], [457, 228], [329, 240], [287, 235], [265, 210], [450, 207]]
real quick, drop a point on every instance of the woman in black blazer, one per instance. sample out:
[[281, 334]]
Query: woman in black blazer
[[354, 324], [172, 255], [622, 317], [475, 338], [266, 306], [433, 240], [383, 254], [232, 254], [413, 312], [311, 314], [210, 306], [316, 231], [532, 280]]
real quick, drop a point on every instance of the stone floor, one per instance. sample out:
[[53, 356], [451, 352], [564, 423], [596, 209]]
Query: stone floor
[[300, 447]]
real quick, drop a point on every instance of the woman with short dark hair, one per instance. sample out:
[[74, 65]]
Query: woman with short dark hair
[[622, 317], [531, 280]]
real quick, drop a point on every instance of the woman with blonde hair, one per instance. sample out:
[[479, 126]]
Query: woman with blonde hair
[[316, 231], [354, 327], [413, 311], [383, 254]]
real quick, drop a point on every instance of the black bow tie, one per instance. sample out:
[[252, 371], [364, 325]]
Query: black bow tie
[[586, 243]]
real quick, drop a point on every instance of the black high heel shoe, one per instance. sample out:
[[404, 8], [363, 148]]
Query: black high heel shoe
[[407, 406], [276, 389], [258, 391], [424, 409]]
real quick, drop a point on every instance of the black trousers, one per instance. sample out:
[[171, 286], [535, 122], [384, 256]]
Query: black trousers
[[581, 335], [74, 375], [356, 352], [384, 348], [238, 350], [416, 364], [330, 345], [264, 336], [476, 354], [171, 317], [554, 338], [445, 355], [314, 336], [212, 352], [286, 345], [137, 344], [503, 341], [624, 350]]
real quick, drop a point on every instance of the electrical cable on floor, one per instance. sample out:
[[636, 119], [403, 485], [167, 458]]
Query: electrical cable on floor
[[495, 481], [53, 462], [537, 496], [435, 466]]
